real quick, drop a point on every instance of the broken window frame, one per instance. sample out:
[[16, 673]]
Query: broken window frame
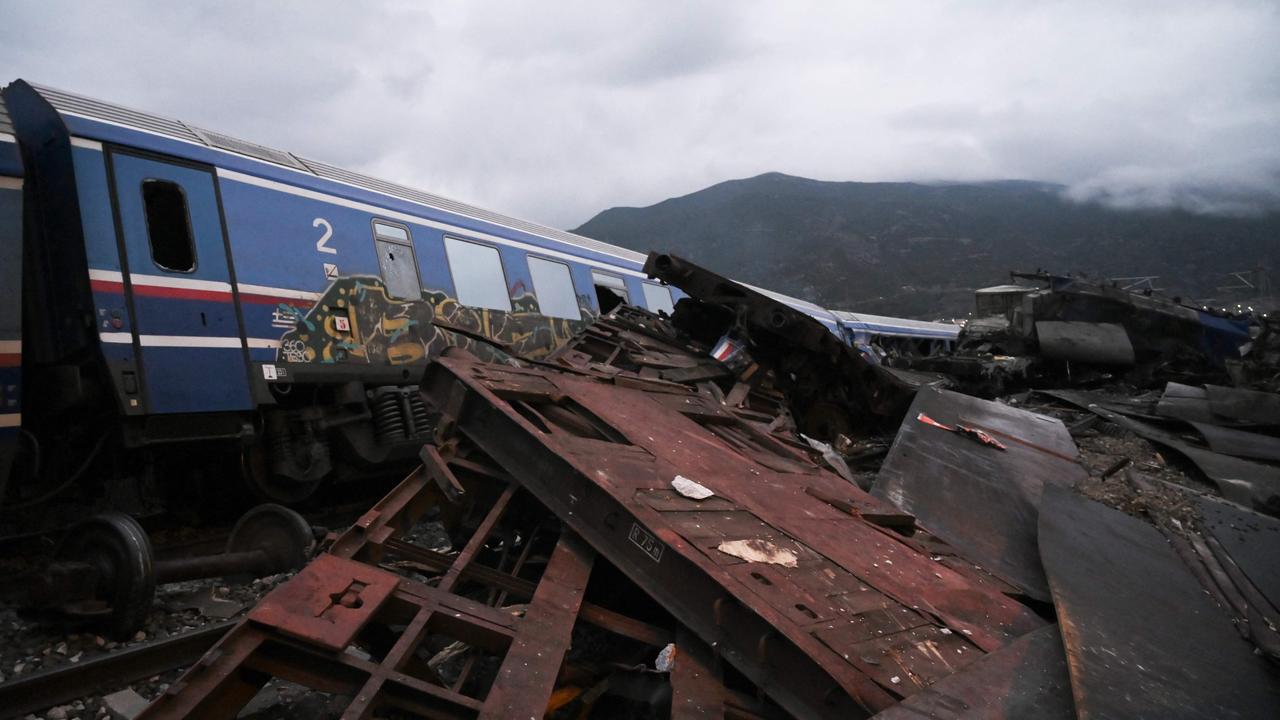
[[384, 235]]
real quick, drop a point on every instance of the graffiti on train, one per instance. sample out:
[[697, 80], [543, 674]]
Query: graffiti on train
[[356, 321]]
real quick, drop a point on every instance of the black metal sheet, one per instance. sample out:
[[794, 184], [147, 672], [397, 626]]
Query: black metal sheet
[[1027, 679], [1085, 342], [1254, 406], [1240, 443], [980, 499], [1248, 483], [1142, 638], [1252, 540], [1185, 402]]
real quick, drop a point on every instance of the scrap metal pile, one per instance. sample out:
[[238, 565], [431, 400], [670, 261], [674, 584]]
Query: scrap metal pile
[[1071, 332], [647, 531]]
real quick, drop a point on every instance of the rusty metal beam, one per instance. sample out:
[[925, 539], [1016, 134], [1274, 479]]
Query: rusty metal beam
[[696, 692], [842, 617], [344, 626], [528, 673], [597, 615]]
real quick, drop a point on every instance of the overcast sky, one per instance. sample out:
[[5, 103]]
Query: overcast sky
[[554, 111]]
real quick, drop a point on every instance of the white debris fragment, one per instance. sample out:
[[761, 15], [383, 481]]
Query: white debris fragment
[[756, 550], [690, 489], [125, 705], [666, 658]]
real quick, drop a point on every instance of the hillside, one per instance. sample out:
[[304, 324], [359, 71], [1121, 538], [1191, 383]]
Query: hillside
[[920, 250]]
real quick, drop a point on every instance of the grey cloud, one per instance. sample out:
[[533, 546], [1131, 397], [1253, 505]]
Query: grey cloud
[[556, 110]]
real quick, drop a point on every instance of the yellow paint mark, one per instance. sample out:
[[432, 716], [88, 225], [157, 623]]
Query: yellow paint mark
[[403, 353]]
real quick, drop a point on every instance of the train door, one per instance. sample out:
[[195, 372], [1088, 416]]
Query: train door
[[187, 330]]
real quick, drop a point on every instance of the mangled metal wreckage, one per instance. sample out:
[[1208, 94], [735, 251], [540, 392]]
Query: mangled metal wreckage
[[1071, 330], [644, 532]]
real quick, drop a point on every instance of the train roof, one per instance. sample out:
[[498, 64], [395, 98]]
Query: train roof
[[1003, 289], [892, 325], [6, 125], [80, 106], [68, 103]]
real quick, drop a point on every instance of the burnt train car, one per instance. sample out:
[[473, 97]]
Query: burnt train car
[[185, 305]]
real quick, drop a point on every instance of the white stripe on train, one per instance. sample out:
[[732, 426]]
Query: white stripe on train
[[189, 341]]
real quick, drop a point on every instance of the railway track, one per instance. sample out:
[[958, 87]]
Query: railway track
[[65, 683]]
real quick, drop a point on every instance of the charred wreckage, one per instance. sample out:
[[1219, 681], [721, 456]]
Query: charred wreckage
[[729, 512]]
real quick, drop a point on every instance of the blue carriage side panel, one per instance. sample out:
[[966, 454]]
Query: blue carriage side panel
[[584, 286], [287, 249], [111, 311], [515, 266], [186, 325], [11, 187]]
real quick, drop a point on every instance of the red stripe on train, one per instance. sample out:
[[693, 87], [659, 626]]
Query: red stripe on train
[[113, 286], [275, 300], [177, 293], [10, 360]]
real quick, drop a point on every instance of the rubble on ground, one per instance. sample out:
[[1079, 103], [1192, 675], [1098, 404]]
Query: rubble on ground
[[728, 513]]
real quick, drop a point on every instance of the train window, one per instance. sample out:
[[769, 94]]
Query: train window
[[554, 288], [658, 298], [397, 261], [168, 226], [611, 291], [477, 274]]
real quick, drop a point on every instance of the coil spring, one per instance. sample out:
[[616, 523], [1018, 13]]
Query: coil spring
[[418, 408], [388, 420]]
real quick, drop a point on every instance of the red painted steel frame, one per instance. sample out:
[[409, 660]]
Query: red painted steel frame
[[862, 620]]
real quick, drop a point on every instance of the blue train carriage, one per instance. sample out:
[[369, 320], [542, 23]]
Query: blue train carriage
[[877, 335], [184, 287], [11, 280]]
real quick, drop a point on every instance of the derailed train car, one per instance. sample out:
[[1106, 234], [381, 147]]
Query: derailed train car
[[11, 279], [175, 293]]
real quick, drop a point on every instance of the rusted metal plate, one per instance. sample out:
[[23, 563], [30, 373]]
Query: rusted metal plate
[[345, 627], [327, 602], [528, 672], [979, 498], [1027, 679], [605, 472], [696, 692], [1142, 638]]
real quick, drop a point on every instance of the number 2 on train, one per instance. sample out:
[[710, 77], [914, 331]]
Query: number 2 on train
[[328, 233]]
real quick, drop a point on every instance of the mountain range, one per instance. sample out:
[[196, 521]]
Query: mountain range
[[920, 250]]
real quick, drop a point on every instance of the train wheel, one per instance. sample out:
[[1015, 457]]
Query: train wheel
[[286, 491], [118, 549], [284, 535]]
